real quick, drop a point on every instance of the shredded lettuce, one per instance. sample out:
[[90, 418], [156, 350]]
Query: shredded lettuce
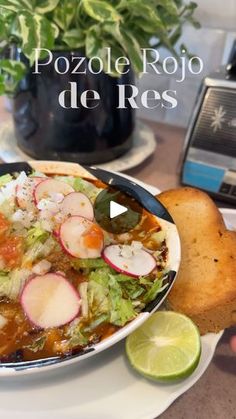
[[5, 179], [4, 284], [119, 296], [78, 339], [36, 234], [78, 264], [77, 336], [67, 179], [105, 296], [122, 310], [36, 173], [98, 298], [131, 286], [37, 345], [99, 320], [88, 188], [81, 185], [4, 271], [38, 250], [156, 288], [11, 284]]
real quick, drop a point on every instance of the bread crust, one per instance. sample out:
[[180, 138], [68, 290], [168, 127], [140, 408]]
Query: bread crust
[[205, 288]]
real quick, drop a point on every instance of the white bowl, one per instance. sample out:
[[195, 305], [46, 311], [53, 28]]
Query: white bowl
[[173, 262]]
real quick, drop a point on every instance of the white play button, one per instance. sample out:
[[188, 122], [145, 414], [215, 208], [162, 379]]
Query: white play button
[[117, 212], [116, 209]]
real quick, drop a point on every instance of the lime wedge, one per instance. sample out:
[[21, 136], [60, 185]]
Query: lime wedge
[[166, 347]]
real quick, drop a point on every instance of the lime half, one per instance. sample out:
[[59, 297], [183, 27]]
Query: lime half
[[166, 347]]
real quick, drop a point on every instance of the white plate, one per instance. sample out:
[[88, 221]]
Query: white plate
[[103, 387], [229, 217]]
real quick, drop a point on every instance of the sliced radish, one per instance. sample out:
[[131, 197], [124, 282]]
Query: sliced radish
[[81, 238], [56, 233], [50, 300], [24, 192], [76, 203], [136, 262], [48, 187]]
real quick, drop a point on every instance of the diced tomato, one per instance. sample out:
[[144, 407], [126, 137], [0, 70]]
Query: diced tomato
[[93, 237], [11, 250], [4, 225]]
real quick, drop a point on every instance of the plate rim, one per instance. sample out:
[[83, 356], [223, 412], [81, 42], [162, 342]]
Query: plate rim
[[191, 383]]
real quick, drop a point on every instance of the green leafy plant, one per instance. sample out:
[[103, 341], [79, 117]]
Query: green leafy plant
[[88, 25]]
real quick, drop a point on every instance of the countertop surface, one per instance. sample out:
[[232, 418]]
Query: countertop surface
[[214, 395]]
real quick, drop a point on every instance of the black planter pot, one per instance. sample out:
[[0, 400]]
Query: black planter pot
[[45, 130]]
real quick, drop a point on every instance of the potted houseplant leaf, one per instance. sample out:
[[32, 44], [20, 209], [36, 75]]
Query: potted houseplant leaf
[[61, 32]]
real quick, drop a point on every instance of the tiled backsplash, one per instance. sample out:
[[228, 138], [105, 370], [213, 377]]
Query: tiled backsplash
[[212, 43], [217, 13]]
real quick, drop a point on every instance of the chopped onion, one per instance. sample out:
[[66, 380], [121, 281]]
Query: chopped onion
[[136, 245], [42, 267], [9, 190], [3, 321], [23, 217], [83, 288], [46, 204]]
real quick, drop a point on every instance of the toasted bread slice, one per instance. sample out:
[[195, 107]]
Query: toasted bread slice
[[205, 288]]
